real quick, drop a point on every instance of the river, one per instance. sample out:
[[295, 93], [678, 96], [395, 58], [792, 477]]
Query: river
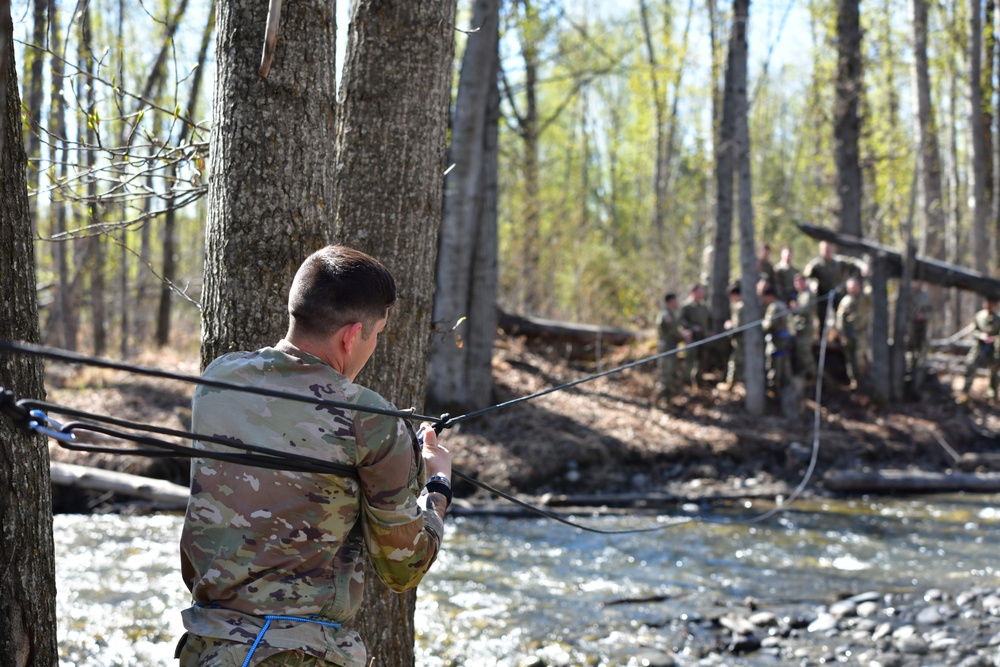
[[506, 589]]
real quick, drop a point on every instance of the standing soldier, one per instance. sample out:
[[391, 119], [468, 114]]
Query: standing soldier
[[765, 269], [734, 370], [827, 271], [984, 349], [853, 322], [780, 345], [695, 318], [802, 326], [784, 276], [918, 336], [670, 334]]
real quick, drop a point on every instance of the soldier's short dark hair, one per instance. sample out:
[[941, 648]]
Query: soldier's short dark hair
[[734, 288], [769, 291], [668, 297], [337, 286]]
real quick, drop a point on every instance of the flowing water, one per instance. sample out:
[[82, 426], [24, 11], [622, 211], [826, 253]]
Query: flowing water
[[505, 589]]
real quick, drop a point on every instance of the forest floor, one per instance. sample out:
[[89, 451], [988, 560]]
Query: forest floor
[[603, 438]]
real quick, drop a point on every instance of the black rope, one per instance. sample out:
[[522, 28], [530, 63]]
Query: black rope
[[75, 358], [21, 412], [573, 383]]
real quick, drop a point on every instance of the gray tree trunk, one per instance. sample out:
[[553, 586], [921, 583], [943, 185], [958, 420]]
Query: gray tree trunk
[[931, 200], [457, 356], [395, 95], [35, 87], [753, 339], [847, 122], [880, 369], [271, 190], [27, 560], [977, 138]]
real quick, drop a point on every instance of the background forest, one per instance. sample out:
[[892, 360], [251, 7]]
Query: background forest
[[607, 141]]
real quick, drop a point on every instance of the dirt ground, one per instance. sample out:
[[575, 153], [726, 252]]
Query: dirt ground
[[603, 438]]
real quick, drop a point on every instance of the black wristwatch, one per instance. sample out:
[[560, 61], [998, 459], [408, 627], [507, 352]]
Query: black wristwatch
[[440, 484]]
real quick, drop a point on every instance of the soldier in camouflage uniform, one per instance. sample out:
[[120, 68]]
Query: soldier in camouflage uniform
[[853, 323], [784, 276], [802, 326], [695, 320], [734, 369], [780, 345], [984, 349], [670, 335], [275, 559], [828, 272]]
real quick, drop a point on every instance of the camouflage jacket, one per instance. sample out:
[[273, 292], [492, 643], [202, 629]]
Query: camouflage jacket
[[802, 318], [669, 332], [695, 318], [262, 542], [854, 316]]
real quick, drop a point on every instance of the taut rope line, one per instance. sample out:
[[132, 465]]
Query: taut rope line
[[30, 414]]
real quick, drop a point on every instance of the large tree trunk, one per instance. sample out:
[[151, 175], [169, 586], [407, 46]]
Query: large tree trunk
[[977, 168], [847, 122], [390, 167], [753, 339], [452, 363], [28, 584], [931, 229], [271, 187]]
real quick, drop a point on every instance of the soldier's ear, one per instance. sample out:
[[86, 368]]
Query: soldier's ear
[[351, 336]]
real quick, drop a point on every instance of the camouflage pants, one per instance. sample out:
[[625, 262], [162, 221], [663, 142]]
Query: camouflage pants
[[855, 358], [805, 360], [666, 383], [196, 651], [734, 370], [779, 369], [981, 356]]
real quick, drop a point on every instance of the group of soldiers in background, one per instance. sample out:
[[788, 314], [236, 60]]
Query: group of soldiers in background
[[795, 306]]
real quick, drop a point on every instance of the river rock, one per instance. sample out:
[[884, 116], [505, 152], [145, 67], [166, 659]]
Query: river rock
[[650, 657], [931, 615], [869, 608], [823, 623], [887, 660], [764, 619], [991, 604], [913, 645], [844, 608]]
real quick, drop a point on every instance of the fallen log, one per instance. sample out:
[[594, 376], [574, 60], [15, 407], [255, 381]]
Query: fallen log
[[553, 331], [926, 268], [166, 494], [911, 481]]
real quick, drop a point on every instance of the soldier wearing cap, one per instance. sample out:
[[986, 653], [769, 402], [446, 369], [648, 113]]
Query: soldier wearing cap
[[694, 318], [670, 334], [275, 559], [984, 350], [853, 323]]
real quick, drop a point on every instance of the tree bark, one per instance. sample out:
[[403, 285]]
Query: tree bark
[[271, 189], [27, 560], [847, 122], [932, 222], [456, 353], [389, 187], [977, 167]]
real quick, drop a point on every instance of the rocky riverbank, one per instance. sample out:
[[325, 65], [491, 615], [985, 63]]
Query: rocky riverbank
[[872, 629]]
